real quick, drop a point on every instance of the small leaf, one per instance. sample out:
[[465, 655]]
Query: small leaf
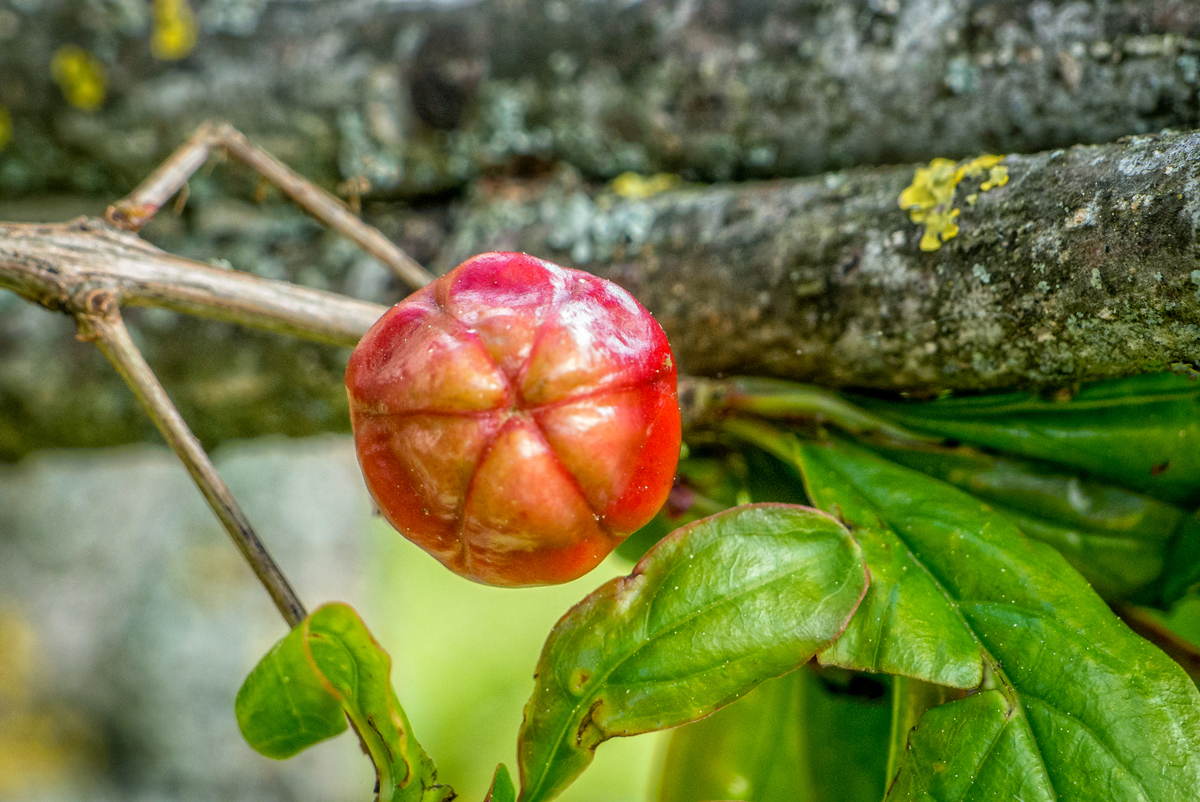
[[1082, 709], [791, 739], [710, 612], [327, 669], [1142, 432], [1116, 538], [502, 789]]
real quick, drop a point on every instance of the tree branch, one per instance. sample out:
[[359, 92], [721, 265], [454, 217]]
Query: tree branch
[[57, 265], [420, 98], [171, 176], [99, 320], [1083, 266]]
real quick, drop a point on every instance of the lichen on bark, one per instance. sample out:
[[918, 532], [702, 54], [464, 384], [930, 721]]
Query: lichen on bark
[[1078, 268]]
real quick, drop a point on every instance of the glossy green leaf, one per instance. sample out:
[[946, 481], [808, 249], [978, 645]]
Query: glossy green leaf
[[1118, 539], [1077, 707], [502, 789], [905, 625], [710, 612], [791, 739], [1142, 432], [980, 749], [326, 669], [1183, 566]]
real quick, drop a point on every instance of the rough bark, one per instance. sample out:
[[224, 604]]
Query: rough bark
[[421, 99], [424, 99], [1085, 264]]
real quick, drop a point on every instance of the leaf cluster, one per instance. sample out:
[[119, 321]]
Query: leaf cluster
[[957, 556]]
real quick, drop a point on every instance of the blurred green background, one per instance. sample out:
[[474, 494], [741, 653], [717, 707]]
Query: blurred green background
[[127, 623]]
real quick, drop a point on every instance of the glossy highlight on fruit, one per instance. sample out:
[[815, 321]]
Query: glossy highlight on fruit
[[516, 419]]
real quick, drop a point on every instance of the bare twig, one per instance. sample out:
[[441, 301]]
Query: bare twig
[[55, 265], [172, 175], [101, 323], [52, 264]]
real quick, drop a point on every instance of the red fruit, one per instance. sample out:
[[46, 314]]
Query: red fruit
[[516, 419]]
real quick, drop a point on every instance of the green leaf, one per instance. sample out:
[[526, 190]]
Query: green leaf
[[911, 698], [754, 749], [1183, 568], [789, 740], [1116, 538], [905, 625], [1076, 707], [502, 789], [979, 749], [710, 612], [327, 669], [1142, 432]]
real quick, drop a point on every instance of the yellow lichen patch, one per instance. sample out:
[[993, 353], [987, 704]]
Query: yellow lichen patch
[[997, 177], [634, 186], [6, 129], [929, 198], [174, 33], [80, 76]]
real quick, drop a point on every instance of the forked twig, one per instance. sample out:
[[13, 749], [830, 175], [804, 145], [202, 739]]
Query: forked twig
[[172, 175], [54, 264], [102, 324]]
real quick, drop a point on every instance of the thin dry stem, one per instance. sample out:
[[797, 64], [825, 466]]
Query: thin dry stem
[[102, 325], [172, 175], [52, 264]]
